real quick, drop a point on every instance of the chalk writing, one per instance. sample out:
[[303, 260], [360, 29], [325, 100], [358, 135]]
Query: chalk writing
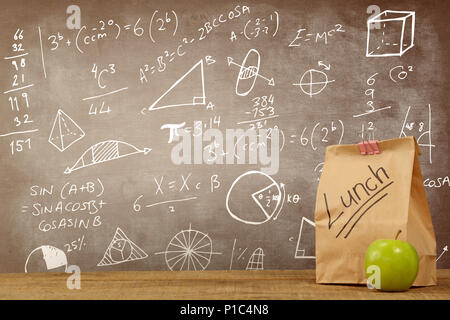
[[259, 26], [303, 36], [420, 129], [18, 96], [370, 93]]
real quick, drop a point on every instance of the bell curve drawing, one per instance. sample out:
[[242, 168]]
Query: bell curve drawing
[[105, 151]]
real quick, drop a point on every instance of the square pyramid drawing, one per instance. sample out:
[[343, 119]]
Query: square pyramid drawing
[[121, 249], [65, 131]]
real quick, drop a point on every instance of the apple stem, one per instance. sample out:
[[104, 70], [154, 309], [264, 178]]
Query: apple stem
[[398, 233]]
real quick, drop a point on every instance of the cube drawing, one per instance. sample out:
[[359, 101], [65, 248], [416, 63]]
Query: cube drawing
[[392, 35]]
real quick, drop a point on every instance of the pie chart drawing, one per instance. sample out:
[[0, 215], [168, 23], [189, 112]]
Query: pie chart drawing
[[248, 73], [189, 250], [313, 82], [46, 258], [255, 198]]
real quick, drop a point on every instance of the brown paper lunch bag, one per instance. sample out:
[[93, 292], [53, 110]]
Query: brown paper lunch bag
[[362, 198]]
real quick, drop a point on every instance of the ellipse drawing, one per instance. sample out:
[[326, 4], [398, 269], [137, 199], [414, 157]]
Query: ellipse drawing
[[248, 73]]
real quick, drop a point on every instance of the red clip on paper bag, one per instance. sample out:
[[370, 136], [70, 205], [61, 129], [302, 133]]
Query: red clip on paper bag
[[362, 148], [369, 147], [374, 145]]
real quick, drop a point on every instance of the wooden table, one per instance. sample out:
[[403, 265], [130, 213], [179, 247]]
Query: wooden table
[[205, 285]]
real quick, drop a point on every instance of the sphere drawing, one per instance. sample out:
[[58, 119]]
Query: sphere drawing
[[313, 82], [121, 250]]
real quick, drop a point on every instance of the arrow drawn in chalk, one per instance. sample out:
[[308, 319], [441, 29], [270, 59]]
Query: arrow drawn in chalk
[[443, 251], [326, 67], [270, 82]]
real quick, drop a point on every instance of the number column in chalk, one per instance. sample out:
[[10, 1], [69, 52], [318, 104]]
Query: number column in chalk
[[18, 99]]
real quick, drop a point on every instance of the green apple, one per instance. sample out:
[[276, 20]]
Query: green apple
[[395, 262]]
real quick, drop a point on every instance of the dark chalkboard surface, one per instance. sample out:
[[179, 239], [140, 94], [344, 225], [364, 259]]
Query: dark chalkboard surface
[[190, 135]]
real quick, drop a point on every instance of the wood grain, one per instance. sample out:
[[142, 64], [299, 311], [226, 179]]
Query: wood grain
[[206, 285]]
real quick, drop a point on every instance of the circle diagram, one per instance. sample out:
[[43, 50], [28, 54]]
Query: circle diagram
[[248, 73], [121, 250], [46, 258], [255, 198], [313, 82], [189, 250]]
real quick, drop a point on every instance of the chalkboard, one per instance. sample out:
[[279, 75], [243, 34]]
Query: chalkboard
[[190, 135]]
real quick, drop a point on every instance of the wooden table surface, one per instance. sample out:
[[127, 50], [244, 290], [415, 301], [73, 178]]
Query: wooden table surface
[[205, 285]]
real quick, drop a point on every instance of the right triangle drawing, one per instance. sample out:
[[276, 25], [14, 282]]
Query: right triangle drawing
[[188, 90], [121, 249], [305, 236]]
